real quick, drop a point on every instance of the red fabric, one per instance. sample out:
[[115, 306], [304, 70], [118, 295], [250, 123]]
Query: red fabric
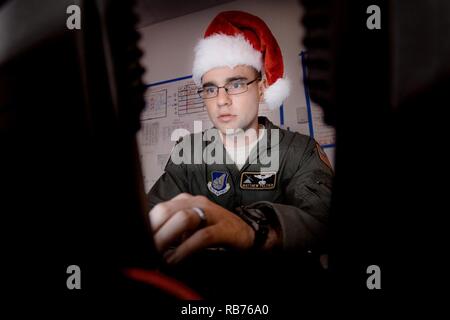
[[257, 33], [163, 282]]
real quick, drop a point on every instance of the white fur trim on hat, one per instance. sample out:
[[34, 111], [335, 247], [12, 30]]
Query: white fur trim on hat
[[221, 50], [275, 94]]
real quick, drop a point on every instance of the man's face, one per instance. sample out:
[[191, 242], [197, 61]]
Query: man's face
[[238, 111]]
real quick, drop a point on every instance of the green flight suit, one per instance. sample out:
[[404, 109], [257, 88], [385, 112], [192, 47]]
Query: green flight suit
[[298, 193]]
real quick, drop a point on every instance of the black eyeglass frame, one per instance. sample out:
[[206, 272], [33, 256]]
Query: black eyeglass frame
[[199, 91]]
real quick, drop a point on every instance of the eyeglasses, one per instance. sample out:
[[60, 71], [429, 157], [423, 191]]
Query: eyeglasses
[[233, 87]]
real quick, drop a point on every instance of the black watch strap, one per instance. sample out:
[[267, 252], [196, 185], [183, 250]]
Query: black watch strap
[[257, 220]]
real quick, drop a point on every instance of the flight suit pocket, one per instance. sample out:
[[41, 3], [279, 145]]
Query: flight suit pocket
[[318, 189]]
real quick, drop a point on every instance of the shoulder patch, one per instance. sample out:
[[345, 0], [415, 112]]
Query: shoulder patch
[[323, 156]]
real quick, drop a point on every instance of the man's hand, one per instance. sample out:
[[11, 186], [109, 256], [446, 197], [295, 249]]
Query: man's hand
[[175, 219]]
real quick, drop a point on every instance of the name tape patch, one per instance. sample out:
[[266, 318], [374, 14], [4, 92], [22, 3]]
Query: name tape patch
[[258, 180]]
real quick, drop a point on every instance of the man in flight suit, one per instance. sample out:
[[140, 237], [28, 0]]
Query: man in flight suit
[[242, 203]]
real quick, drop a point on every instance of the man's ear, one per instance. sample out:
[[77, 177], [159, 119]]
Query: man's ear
[[262, 86]]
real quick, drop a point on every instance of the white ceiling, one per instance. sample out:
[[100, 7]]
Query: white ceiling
[[154, 11]]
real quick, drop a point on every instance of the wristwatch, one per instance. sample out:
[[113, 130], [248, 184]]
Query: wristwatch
[[258, 221]]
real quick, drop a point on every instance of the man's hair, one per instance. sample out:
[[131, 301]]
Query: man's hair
[[257, 73]]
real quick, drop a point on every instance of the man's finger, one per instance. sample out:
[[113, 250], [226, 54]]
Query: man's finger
[[182, 196], [181, 222], [161, 213], [201, 239]]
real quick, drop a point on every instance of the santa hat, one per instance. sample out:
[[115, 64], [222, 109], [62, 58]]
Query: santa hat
[[238, 38]]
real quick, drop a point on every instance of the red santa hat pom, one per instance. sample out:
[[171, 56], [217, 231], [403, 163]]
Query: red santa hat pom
[[238, 38]]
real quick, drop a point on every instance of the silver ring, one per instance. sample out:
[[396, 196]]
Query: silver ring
[[201, 214]]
